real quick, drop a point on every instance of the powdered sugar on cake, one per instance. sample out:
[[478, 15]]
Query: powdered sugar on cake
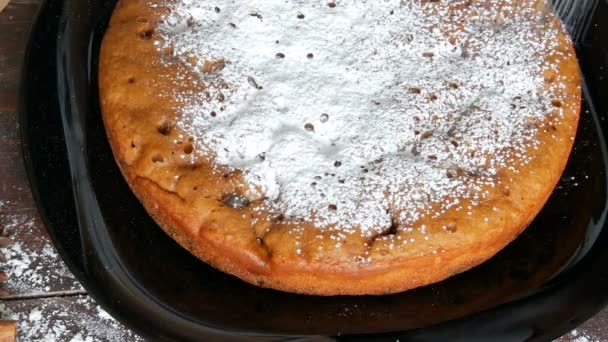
[[362, 113]]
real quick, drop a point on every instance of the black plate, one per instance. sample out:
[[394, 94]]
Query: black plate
[[552, 278]]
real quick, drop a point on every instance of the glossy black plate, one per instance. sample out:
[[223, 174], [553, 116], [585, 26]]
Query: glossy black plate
[[552, 278]]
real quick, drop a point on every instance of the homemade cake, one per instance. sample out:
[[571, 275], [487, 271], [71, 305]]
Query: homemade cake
[[340, 147]]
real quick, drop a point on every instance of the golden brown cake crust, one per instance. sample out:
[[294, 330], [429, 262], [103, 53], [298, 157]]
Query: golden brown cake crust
[[187, 199]]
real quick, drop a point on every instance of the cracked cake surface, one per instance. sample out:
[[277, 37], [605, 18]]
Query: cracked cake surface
[[347, 147]]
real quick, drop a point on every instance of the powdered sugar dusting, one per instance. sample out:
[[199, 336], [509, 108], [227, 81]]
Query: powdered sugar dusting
[[35, 270], [367, 112], [32, 265], [68, 319], [579, 336]]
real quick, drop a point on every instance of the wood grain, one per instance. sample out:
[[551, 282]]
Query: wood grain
[[8, 331], [19, 219], [62, 319]]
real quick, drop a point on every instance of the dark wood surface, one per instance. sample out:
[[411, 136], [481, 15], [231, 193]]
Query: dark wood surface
[[35, 286]]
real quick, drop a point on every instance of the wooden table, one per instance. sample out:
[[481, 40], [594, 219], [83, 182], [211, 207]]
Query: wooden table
[[36, 289]]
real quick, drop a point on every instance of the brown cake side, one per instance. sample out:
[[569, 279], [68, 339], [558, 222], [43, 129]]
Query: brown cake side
[[188, 198]]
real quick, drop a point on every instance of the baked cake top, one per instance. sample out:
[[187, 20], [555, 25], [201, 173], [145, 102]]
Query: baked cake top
[[363, 114], [347, 147]]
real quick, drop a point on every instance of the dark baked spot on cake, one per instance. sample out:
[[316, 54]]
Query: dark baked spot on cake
[[165, 128], [253, 83], [390, 231], [415, 151], [428, 55], [146, 33], [190, 22], [331, 4], [556, 103], [393, 229], [465, 52], [188, 148], [309, 127], [221, 97], [332, 207], [131, 80], [451, 227], [157, 158], [450, 174]]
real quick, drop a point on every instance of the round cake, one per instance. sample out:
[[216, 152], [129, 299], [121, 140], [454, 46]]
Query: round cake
[[340, 147]]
